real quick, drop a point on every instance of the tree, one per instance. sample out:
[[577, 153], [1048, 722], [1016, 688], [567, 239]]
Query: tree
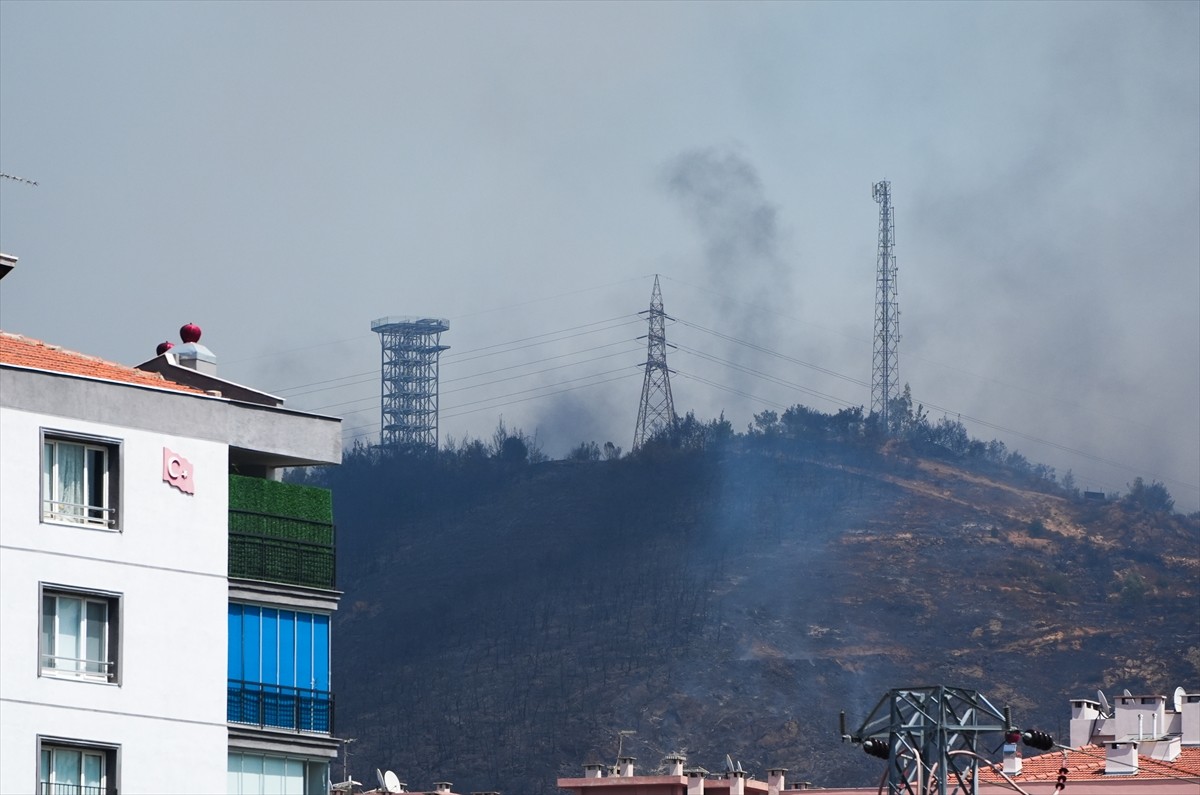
[[513, 450], [1150, 499], [586, 451]]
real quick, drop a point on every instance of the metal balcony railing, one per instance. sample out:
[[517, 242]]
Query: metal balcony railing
[[55, 788], [281, 549], [279, 707]]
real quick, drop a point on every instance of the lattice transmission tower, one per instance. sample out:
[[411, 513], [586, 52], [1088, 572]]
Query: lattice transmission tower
[[657, 410], [885, 368], [408, 414], [932, 738]]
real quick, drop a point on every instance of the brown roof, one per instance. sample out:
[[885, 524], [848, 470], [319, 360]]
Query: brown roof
[[22, 351], [1088, 762]]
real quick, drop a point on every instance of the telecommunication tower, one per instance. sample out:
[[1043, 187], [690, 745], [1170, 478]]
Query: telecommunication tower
[[409, 381], [657, 410], [884, 364]]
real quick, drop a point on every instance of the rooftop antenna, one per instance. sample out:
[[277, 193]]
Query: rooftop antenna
[[15, 178], [621, 735], [656, 413], [346, 756], [349, 784], [884, 364]]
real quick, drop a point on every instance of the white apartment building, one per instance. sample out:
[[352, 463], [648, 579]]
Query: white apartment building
[[166, 601]]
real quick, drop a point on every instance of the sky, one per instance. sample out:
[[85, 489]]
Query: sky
[[282, 174]]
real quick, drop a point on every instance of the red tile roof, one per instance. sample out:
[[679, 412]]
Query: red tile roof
[[22, 351], [1088, 762]]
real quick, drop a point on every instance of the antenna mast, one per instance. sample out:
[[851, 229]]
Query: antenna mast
[[657, 410], [884, 362]]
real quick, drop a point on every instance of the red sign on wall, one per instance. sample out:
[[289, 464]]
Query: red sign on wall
[[178, 472]]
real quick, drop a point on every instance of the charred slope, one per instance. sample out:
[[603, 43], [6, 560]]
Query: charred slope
[[502, 621]]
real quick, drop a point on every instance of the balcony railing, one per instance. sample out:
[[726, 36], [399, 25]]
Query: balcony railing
[[280, 532], [280, 707], [55, 788], [281, 549]]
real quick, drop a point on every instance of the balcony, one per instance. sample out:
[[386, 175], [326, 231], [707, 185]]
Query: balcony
[[53, 788], [280, 532], [279, 707]]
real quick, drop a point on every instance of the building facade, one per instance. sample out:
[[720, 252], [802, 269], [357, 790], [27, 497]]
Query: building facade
[[166, 603]]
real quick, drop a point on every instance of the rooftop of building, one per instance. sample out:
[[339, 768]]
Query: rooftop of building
[[1089, 762], [20, 351]]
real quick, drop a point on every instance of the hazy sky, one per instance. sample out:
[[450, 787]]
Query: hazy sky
[[282, 174]]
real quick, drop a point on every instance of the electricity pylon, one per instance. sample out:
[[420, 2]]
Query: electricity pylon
[[657, 410]]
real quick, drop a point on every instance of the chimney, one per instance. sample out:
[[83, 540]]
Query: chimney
[[776, 780], [1012, 759], [625, 766], [737, 782], [675, 764], [1121, 759], [1190, 719], [695, 780], [1085, 715], [196, 357], [441, 787], [593, 770]]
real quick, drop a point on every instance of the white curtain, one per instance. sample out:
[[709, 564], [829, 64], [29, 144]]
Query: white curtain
[[70, 478], [66, 767]]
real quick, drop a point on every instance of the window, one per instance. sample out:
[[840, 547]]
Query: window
[[67, 767], [79, 634], [279, 668], [256, 774], [79, 480]]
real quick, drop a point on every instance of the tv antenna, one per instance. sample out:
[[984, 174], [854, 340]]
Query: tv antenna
[[15, 178], [349, 784], [621, 735]]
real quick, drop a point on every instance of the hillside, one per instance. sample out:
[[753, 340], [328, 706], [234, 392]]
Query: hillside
[[503, 620]]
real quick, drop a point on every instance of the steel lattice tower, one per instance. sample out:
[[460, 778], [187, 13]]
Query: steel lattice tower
[[409, 381], [657, 410], [930, 737], [884, 365]]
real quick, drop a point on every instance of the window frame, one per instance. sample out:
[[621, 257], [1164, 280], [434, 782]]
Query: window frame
[[109, 754], [111, 634], [51, 507]]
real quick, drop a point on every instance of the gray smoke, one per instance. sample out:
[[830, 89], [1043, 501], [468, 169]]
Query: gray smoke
[[744, 269]]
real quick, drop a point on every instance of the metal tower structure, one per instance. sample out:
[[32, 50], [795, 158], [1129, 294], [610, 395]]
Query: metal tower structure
[[657, 410], [409, 381], [884, 365], [930, 737]]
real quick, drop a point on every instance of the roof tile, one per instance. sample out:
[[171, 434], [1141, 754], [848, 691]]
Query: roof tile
[[20, 351], [1089, 761]]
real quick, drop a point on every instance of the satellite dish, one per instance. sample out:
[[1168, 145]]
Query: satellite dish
[[391, 783], [1105, 709], [1178, 698], [379, 777]]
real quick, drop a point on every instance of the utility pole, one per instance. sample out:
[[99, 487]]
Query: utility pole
[[884, 363], [657, 410]]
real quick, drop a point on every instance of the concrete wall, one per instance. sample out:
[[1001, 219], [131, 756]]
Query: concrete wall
[[294, 438], [168, 563]]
